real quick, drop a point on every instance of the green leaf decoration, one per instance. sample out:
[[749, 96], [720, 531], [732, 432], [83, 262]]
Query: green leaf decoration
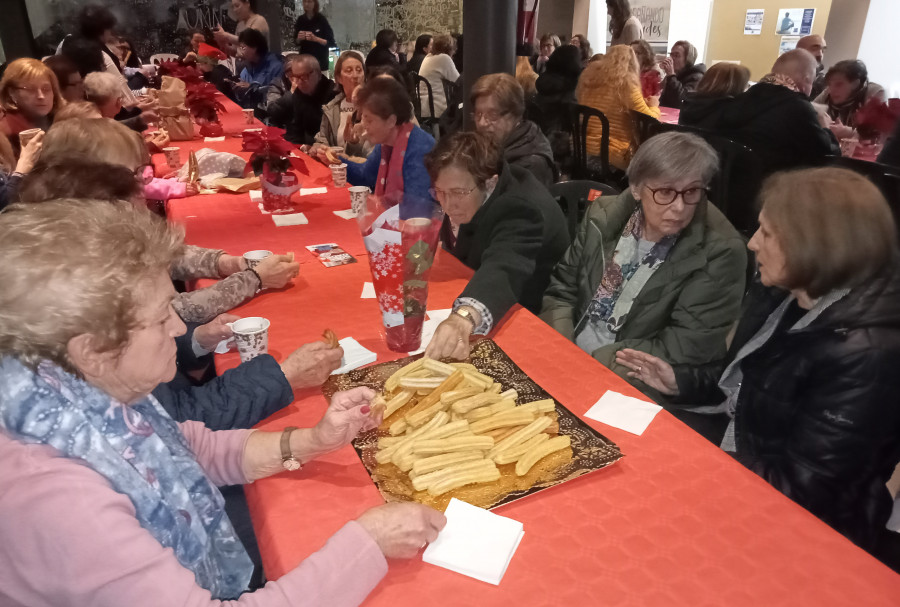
[[420, 257]]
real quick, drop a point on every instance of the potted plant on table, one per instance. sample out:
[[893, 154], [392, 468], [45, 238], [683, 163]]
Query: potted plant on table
[[270, 161]]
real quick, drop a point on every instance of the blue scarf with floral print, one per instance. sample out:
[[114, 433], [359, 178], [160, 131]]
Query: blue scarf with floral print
[[140, 450], [625, 275]]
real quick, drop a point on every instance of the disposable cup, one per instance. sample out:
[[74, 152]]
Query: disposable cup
[[253, 258], [358, 196], [251, 335], [848, 147], [248, 116], [173, 157], [27, 135], [339, 174]]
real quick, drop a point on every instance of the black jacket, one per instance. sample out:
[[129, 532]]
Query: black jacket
[[307, 114], [512, 243], [676, 86], [527, 147], [703, 112], [320, 28], [239, 398], [381, 56], [818, 415], [891, 152], [780, 125]]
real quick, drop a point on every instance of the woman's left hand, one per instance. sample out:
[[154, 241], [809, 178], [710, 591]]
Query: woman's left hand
[[451, 339], [346, 416]]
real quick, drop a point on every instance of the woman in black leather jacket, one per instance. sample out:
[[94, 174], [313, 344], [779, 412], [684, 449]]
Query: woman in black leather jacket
[[812, 378]]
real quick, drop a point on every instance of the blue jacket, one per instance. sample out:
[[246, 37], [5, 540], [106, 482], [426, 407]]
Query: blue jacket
[[270, 69], [416, 181], [239, 398]]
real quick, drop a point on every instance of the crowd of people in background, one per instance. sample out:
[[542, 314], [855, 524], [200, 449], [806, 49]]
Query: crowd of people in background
[[788, 366]]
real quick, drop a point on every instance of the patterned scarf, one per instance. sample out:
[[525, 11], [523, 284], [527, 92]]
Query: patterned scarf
[[780, 80], [389, 183], [142, 453], [625, 276]]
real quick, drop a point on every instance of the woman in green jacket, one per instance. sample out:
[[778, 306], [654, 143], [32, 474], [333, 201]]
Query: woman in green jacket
[[655, 269]]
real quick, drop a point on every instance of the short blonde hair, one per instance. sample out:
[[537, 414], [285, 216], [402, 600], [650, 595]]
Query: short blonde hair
[[101, 87], [97, 139], [92, 260], [21, 72], [834, 226], [505, 89], [724, 80], [526, 76], [78, 109]]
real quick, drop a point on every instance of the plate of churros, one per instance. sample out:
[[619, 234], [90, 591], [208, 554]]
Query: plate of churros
[[481, 431]]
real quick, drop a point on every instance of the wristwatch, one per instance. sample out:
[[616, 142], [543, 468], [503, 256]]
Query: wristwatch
[[466, 314], [288, 461]]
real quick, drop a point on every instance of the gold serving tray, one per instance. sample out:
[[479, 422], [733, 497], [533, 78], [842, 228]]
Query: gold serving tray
[[590, 450]]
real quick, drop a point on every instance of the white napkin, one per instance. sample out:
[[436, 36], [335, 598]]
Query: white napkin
[[214, 139], [623, 412], [255, 195], [475, 542], [435, 317], [224, 346], [368, 291], [348, 214], [291, 219], [355, 356], [310, 191]]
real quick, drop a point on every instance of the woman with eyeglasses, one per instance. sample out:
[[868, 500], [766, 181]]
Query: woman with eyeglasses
[[105, 140], [656, 269], [29, 95], [501, 223]]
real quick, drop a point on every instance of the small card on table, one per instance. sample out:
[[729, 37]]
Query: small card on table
[[290, 219], [368, 291], [331, 255], [623, 412], [475, 542]]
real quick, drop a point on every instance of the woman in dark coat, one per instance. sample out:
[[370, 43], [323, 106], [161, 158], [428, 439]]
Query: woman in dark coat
[[810, 381], [501, 223], [313, 33]]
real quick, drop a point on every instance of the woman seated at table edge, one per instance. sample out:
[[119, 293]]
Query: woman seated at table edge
[[395, 169], [29, 98], [501, 223], [657, 268], [104, 490], [338, 115], [847, 89], [238, 398], [810, 380], [105, 140], [721, 83]]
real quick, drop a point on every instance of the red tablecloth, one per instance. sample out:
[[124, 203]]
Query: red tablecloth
[[676, 522], [668, 115]]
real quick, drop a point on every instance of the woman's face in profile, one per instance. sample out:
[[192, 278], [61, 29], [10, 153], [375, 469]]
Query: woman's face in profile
[[770, 257]]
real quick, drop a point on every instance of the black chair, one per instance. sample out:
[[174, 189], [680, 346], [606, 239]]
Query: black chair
[[574, 198], [734, 188], [430, 122], [644, 127], [884, 176], [452, 120], [579, 116]]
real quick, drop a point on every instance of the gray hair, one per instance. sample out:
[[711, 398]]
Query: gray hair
[[92, 259], [100, 87], [671, 156], [310, 62], [799, 65]]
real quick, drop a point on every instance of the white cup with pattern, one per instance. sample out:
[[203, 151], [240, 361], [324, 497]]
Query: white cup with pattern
[[358, 196], [251, 335], [339, 174], [254, 257]]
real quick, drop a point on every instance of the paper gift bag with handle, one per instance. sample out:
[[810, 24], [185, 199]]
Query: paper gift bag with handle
[[173, 114]]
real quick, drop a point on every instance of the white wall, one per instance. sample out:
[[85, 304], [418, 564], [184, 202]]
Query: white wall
[[875, 48], [690, 21]]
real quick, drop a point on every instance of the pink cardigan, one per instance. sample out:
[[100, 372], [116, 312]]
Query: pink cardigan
[[69, 539]]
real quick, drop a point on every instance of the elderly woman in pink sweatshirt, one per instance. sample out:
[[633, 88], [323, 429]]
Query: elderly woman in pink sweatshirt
[[104, 500]]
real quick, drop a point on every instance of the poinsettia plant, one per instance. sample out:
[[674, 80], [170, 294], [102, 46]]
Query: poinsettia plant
[[202, 102], [270, 153], [176, 69], [876, 118]]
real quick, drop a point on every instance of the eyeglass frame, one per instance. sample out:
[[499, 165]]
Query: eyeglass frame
[[34, 90], [455, 193], [704, 194], [499, 117]]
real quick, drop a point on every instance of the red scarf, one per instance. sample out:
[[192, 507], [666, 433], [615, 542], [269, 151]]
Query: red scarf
[[389, 183]]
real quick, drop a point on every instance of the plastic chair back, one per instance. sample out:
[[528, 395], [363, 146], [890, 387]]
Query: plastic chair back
[[429, 122], [574, 197]]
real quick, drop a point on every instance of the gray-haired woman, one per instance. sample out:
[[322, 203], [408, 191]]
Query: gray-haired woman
[[97, 484], [655, 269]]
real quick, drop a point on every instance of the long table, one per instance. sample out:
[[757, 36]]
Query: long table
[[675, 522]]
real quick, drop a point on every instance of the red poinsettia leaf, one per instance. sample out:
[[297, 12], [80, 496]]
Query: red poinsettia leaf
[[299, 165]]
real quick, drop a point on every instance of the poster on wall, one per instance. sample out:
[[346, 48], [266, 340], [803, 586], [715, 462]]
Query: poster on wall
[[754, 21], [788, 43], [794, 21], [654, 18]]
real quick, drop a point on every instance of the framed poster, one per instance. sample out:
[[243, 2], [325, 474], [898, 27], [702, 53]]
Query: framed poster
[[754, 21], [788, 43], [794, 21]]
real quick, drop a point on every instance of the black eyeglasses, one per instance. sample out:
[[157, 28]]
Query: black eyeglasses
[[666, 196]]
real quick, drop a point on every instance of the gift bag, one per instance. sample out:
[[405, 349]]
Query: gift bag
[[173, 114]]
